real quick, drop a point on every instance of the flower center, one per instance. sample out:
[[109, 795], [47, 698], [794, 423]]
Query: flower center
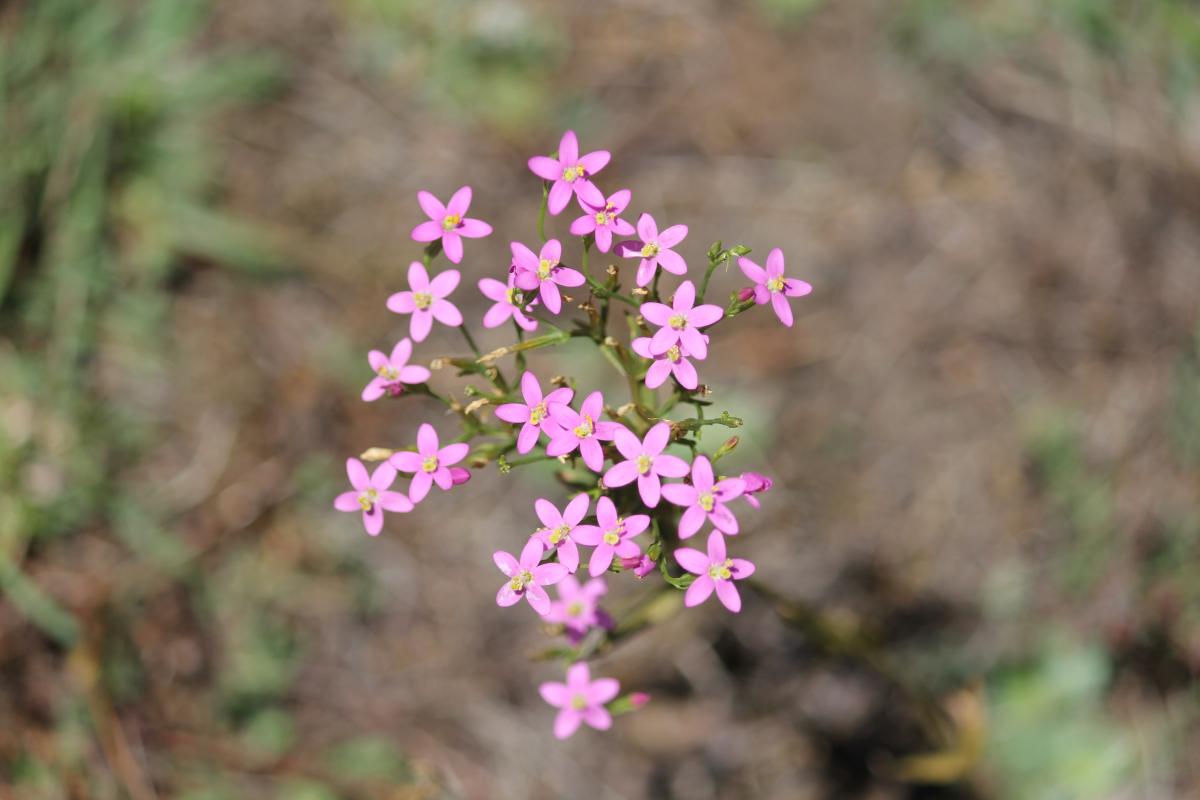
[[677, 321], [775, 284], [584, 429], [521, 580], [422, 300], [537, 413], [571, 174], [644, 463], [579, 702], [367, 499], [575, 609], [650, 250], [388, 372], [544, 268], [430, 464], [706, 501], [673, 354], [559, 533], [451, 221], [511, 295], [603, 218], [721, 572], [613, 536]]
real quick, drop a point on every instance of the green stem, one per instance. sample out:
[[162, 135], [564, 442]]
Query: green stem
[[603, 291], [541, 223]]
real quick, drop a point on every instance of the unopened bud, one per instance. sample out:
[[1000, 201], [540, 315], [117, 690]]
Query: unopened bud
[[376, 454], [745, 294], [728, 447]]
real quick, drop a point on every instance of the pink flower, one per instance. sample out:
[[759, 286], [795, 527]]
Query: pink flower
[[715, 571], [559, 527], [674, 361], [755, 483], [527, 577], [654, 249], [577, 607], [604, 220], [430, 464], [392, 372], [645, 462], [705, 499], [534, 412], [371, 495], [641, 566], [680, 322], [449, 223], [544, 272], [570, 173], [426, 300], [459, 476], [505, 304], [584, 430], [580, 700], [612, 537], [769, 284], [638, 699]]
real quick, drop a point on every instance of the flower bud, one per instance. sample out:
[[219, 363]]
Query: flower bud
[[745, 294]]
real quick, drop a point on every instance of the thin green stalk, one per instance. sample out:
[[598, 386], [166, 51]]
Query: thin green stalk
[[541, 223]]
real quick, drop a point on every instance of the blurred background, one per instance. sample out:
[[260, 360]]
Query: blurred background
[[984, 429]]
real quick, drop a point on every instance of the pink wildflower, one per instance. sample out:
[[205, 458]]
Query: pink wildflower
[[449, 222], [505, 304], [769, 284], [580, 700], [430, 464], [459, 476], [371, 495], [392, 372], [584, 430], [426, 300], [755, 483], [645, 462], [674, 361], [571, 173], [559, 527], [715, 571], [534, 412], [543, 272], [680, 322], [604, 220], [612, 537], [527, 577], [641, 566], [705, 499], [654, 249], [577, 607]]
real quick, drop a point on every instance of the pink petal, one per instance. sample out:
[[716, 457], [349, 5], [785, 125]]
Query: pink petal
[[444, 283], [418, 277], [383, 476], [568, 555], [560, 194], [727, 593], [716, 547], [662, 340], [723, 519], [741, 568], [506, 596], [587, 192], [595, 161], [694, 342], [528, 437], [691, 522], [565, 276], [531, 390], [627, 443], [568, 148], [621, 474], [603, 239], [419, 487], [406, 461], [635, 524], [685, 373], [685, 297], [657, 375], [428, 231], [702, 316], [567, 722], [645, 271], [561, 443], [576, 510], [601, 558], [452, 244], [657, 438], [531, 554], [551, 251], [619, 200], [627, 549], [751, 270], [775, 263], [672, 235], [606, 513], [547, 513], [546, 168], [537, 597], [729, 488], [549, 574], [597, 717], [657, 313], [357, 474], [554, 693], [515, 413], [446, 313], [583, 225], [623, 228], [414, 375], [699, 591], [474, 229], [346, 501], [505, 561], [646, 229], [561, 395], [497, 315], [702, 474], [400, 353], [401, 303], [373, 520], [603, 690], [525, 322], [460, 201], [796, 288], [692, 560], [418, 328], [374, 390], [650, 488], [427, 440], [779, 302], [584, 534], [680, 494], [451, 454], [432, 207], [551, 297], [493, 289], [395, 502], [672, 262]]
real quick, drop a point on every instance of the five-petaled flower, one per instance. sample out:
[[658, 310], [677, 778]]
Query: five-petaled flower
[[449, 222], [577, 608], [604, 220], [527, 577], [769, 284], [705, 498], [681, 322], [534, 414], [505, 304], [714, 570], [392, 372], [611, 537], [755, 484], [426, 300], [583, 429], [542, 271], [371, 494], [571, 173], [645, 462], [580, 700], [556, 535], [430, 464], [654, 249], [672, 361]]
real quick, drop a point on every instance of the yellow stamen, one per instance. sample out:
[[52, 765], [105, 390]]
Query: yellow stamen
[[643, 464], [559, 533], [677, 321], [430, 464], [650, 250], [579, 702], [707, 501], [673, 354], [367, 499], [775, 284], [613, 536], [422, 300], [575, 609], [721, 572], [388, 372], [584, 429], [537, 413], [451, 222], [544, 268], [521, 580]]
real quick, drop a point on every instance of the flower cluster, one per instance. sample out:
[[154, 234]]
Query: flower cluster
[[638, 484]]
